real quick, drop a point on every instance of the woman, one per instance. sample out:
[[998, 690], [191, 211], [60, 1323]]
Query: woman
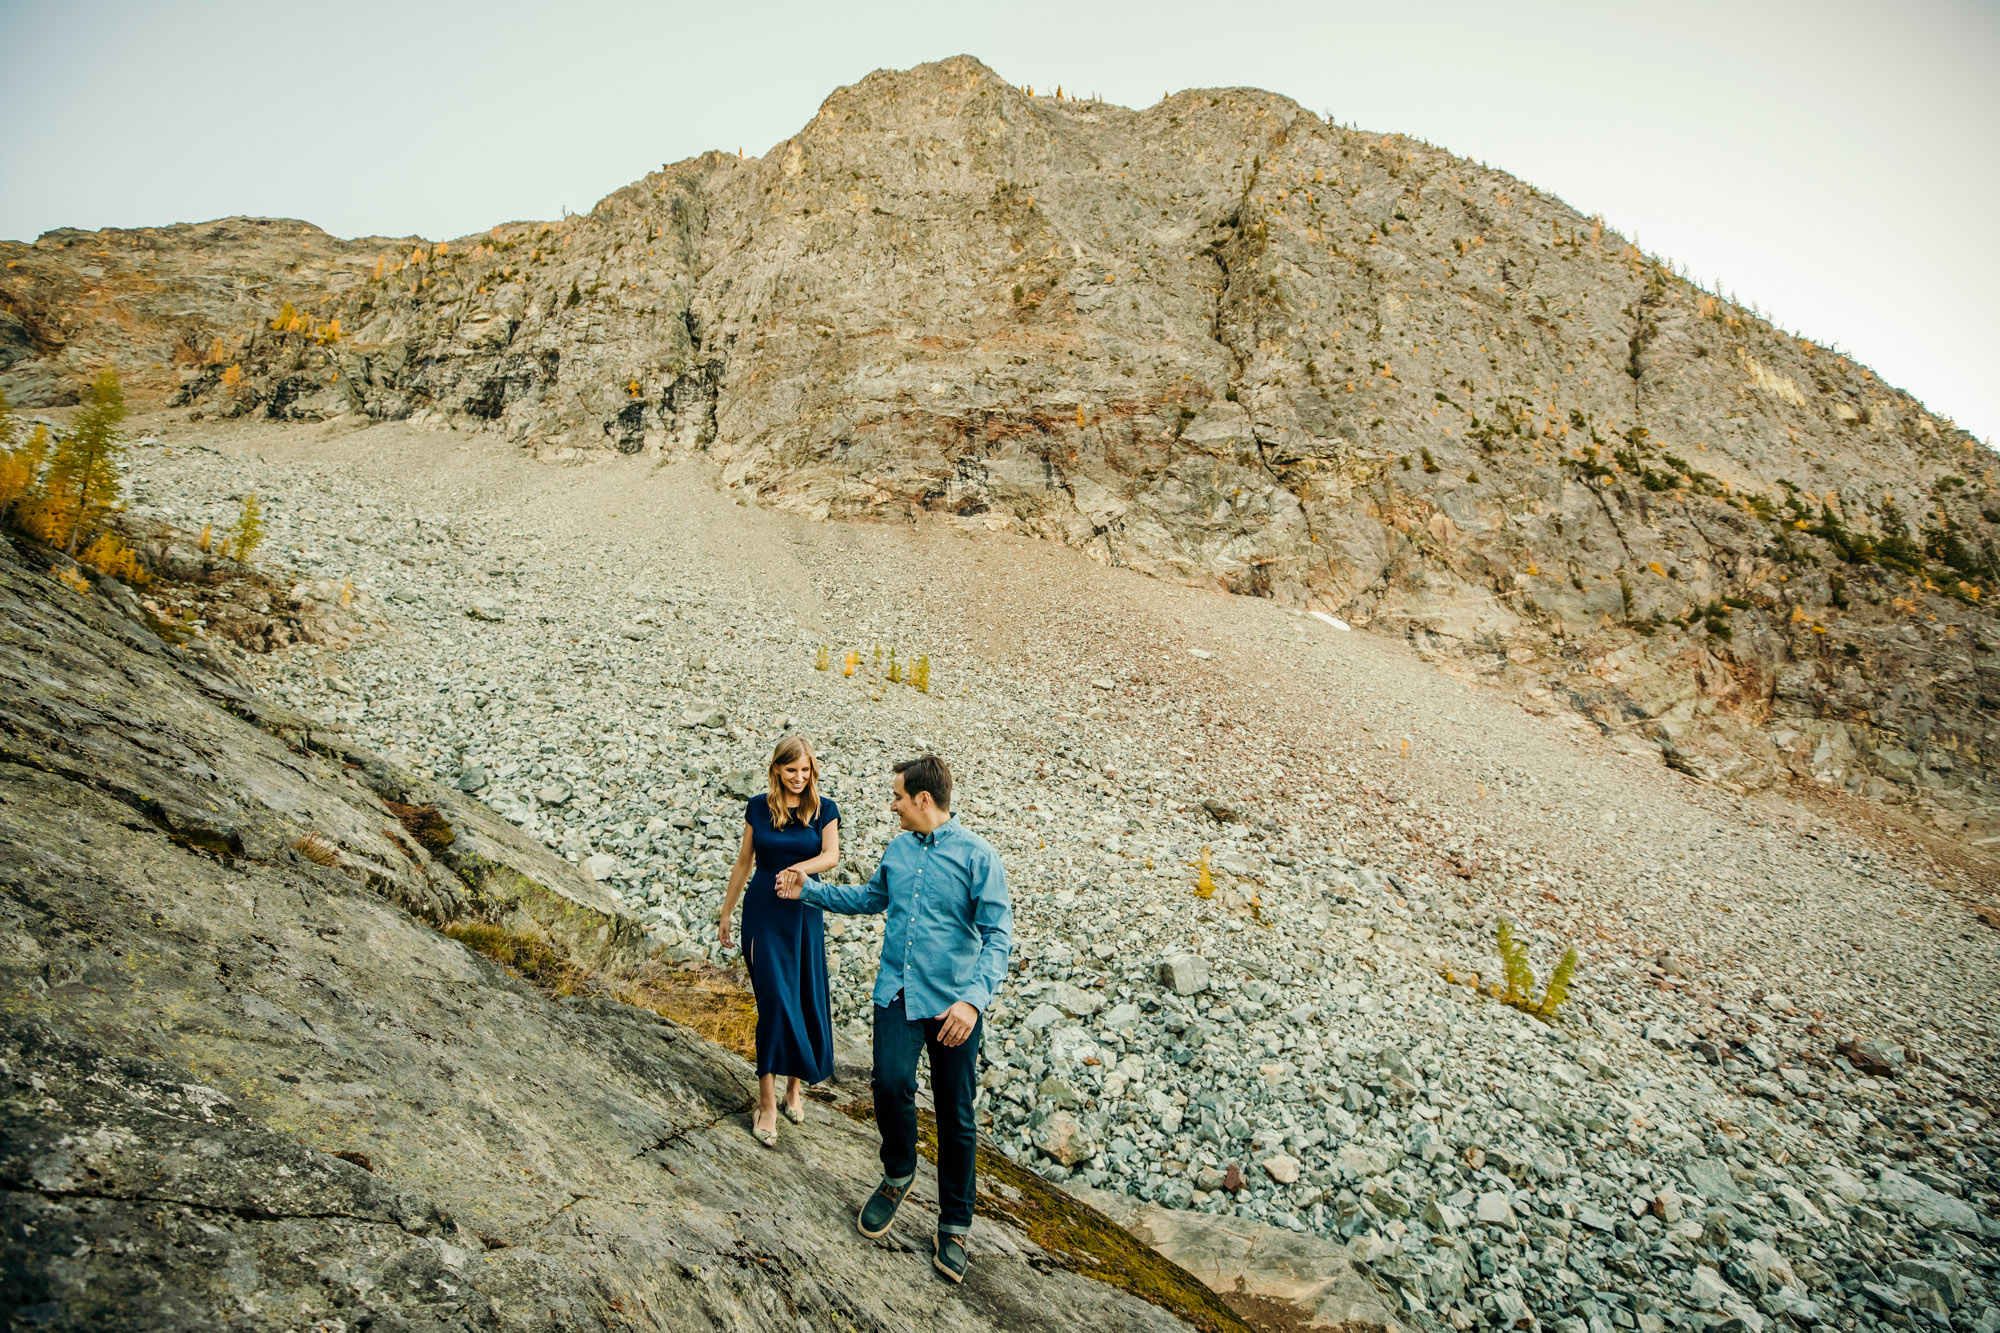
[[789, 828]]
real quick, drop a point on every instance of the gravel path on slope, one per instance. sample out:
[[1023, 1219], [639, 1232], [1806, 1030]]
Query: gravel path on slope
[[606, 654]]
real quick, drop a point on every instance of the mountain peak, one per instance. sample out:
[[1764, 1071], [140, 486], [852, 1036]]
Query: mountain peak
[[1223, 342]]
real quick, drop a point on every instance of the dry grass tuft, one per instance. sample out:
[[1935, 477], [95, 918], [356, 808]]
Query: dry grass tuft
[[425, 824], [317, 848], [708, 999]]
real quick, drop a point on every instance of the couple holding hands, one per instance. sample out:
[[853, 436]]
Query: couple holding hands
[[945, 943]]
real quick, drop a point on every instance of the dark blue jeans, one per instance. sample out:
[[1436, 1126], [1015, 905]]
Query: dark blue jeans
[[954, 1084]]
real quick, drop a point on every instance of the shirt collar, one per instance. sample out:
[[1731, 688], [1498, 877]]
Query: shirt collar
[[950, 821]]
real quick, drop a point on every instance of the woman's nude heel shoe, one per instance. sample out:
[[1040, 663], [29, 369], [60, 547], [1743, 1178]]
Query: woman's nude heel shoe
[[795, 1114], [767, 1137]]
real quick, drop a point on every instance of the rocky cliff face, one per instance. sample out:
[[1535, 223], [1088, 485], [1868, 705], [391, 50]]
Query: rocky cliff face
[[245, 1083], [1223, 341]]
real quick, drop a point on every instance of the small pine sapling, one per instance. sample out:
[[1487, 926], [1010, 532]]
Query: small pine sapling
[[1519, 977], [851, 662], [920, 674], [821, 661], [1519, 990], [248, 534], [895, 671], [207, 539], [1558, 987], [1204, 882]]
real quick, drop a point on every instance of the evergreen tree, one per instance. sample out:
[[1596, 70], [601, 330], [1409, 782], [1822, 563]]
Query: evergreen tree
[[82, 480], [20, 466]]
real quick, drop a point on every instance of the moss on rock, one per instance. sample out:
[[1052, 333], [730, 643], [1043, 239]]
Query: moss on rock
[[1079, 1238]]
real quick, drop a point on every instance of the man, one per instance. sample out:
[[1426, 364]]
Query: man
[[944, 953]]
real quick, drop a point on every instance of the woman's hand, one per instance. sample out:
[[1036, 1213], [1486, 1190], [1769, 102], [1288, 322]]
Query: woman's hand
[[722, 929]]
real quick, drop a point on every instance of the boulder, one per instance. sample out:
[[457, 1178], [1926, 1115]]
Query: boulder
[[1926, 1206], [1060, 1135], [1883, 1059], [1185, 974]]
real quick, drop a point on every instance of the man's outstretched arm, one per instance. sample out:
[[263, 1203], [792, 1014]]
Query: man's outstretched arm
[[845, 899]]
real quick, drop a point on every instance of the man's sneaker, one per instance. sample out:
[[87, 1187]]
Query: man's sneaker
[[880, 1210], [948, 1255]]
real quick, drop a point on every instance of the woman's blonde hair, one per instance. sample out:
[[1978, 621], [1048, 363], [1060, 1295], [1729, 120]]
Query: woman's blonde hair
[[789, 751]]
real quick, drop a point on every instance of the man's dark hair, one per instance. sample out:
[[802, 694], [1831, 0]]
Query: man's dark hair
[[927, 773]]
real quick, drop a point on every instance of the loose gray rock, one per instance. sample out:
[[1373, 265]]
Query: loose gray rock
[[1073, 1001], [1495, 1209], [1282, 1169]]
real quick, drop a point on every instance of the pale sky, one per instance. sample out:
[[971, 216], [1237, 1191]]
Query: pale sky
[[1836, 163]]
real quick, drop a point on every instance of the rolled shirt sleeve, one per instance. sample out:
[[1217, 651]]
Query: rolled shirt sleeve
[[948, 927]]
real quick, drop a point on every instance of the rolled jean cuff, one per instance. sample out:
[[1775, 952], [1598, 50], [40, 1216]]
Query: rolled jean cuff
[[953, 1228], [891, 1180]]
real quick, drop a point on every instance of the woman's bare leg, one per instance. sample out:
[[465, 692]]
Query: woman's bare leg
[[767, 1102], [792, 1093]]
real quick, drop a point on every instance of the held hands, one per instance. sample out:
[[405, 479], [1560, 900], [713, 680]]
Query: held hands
[[791, 882], [958, 1023]]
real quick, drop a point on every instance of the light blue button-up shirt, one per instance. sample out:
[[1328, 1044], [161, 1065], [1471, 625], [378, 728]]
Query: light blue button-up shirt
[[950, 925]]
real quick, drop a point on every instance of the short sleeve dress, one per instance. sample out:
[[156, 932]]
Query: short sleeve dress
[[784, 942]]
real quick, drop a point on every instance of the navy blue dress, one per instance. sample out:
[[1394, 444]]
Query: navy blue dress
[[784, 942]]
